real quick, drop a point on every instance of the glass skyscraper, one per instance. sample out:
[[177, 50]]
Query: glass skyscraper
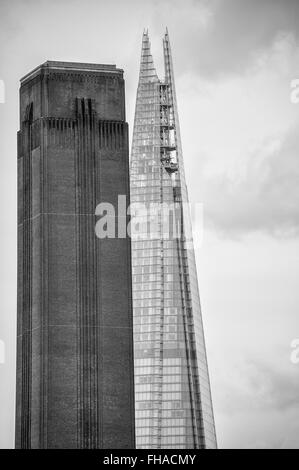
[[172, 389]]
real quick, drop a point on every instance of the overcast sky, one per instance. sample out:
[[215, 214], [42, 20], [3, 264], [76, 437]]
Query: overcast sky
[[234, 61]]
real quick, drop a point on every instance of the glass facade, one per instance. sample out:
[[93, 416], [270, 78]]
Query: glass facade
[[172, 390]]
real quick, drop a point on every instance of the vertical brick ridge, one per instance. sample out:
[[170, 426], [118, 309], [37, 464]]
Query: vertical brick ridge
[[87, 275], [44, 287], [111, 135], [27, 283]]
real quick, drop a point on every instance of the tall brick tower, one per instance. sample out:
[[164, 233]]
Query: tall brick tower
[[75, 337]]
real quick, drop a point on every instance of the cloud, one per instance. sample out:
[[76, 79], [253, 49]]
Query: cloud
[[231, 32], [262, 430], [265, 199], [240, 143], [252, 385], [257, 405]]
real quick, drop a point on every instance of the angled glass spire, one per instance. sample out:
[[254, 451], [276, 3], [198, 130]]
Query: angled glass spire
[[172, 389]]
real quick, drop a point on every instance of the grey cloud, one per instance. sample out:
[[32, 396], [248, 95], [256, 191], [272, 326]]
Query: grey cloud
[[276, 389], [266, 200], [237, 29], [259, 386]]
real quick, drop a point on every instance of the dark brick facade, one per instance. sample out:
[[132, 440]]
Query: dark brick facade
[[75, 334]]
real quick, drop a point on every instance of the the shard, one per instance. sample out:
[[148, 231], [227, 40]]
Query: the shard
[[173, 403], [75, 322]]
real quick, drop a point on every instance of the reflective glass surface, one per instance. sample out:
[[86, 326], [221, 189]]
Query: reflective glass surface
[[172, 389]]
